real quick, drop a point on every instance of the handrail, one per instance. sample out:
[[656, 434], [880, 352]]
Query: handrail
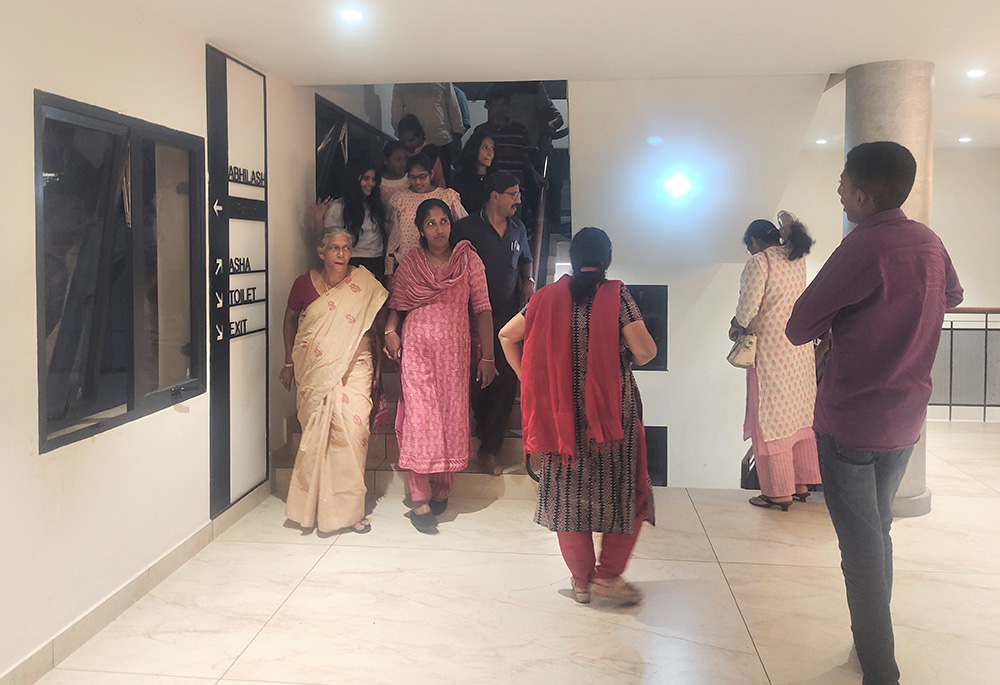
[[973, 310], [540, 223]]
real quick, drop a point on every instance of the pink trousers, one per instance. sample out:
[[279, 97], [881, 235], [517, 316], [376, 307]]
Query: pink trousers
[[428, 486]]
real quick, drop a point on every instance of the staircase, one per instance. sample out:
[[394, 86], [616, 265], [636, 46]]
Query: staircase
[[383, 477]]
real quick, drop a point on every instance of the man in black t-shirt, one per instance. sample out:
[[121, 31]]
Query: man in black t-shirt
[[502, 243]]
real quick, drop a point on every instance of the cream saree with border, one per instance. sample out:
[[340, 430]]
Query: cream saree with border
[[333, 374]]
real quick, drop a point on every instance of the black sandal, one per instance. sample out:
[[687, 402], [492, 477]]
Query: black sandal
[[768, 503], [425, 523], [802, 496], [438, 506]]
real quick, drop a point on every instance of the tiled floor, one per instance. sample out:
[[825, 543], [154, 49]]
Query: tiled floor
[[735, 594]]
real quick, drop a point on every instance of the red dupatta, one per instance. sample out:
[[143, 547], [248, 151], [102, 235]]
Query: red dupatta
[[547, 371]]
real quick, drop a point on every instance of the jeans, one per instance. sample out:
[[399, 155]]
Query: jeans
[[859, 486]]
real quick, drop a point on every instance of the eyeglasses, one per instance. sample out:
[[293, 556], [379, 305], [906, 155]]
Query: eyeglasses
[[514, 194], [418, 177]]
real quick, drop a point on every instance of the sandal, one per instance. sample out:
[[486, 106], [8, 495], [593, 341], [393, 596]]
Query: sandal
[[425, 523], [438, 506], [768, 503], [581, 596], [802, 496], [366, 526], [619, 589]]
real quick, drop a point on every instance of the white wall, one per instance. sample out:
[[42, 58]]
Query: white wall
[[738, 140], [965, 212], [80, 521], [291, 161]]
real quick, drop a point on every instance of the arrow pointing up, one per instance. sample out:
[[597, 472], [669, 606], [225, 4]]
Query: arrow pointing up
[[217, 207], [218, 300]]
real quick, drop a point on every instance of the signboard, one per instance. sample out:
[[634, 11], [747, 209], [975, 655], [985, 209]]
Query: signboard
[[237, 169]]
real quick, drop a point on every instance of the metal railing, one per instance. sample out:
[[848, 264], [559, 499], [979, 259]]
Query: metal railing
[[540, 244], [966, 371]]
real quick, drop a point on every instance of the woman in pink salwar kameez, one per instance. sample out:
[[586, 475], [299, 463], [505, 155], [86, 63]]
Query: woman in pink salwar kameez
[[428, 332], [781, 388]]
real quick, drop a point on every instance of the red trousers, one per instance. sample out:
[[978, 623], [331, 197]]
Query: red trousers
[[616, 548]]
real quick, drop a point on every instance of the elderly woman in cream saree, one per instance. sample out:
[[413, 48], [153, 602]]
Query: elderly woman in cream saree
[[328, 352]]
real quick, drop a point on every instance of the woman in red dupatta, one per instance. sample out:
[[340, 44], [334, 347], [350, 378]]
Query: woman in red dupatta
[[581, 418], [328, 353], [433, 288]]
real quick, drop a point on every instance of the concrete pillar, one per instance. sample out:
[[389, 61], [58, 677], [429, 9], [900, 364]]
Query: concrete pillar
[[893, 101]]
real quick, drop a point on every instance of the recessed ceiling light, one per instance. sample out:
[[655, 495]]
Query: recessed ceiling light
[[677, 185], [965, 139], [975, 73], [821, 141], [654, 140], [351, 15]]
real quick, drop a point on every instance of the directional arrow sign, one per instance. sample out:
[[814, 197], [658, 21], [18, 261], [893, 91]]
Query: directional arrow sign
[[218, 332], [217, 207], [218, 266], [218, 300]]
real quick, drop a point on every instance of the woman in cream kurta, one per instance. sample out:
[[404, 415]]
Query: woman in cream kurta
[[781, 388], [331, 359]]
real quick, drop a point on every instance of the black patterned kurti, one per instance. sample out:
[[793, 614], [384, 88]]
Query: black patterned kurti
[[596, 493]]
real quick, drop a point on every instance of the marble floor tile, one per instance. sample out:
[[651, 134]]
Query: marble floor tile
[[959, 535], [945, 478], [678, 533], [985, 470], [266, 523], [198, 621], [947, 627], [740, 532], [447, 613], [61, 676], [468, 524], [799, 622]]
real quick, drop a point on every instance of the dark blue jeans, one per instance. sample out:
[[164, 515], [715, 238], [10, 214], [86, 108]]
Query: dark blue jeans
[[859, 486]]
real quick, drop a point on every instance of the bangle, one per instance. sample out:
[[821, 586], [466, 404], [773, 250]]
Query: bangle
[[391, 330], [484, 359], [288, 366]]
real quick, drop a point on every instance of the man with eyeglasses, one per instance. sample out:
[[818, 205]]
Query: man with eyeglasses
[[502, 243]]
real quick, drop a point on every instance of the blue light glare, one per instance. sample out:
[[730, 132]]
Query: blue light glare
[[654, 140], [677, 185]]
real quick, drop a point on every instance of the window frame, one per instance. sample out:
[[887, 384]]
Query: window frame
[[136, 132]]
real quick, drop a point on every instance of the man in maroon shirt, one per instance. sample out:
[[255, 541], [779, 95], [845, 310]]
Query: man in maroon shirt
[[880, 298]]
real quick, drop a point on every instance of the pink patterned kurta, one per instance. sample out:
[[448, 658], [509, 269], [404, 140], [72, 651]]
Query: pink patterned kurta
[[432, 419], [784, 380], [403, 233]]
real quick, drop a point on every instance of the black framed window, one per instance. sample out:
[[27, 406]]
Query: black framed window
[[120, 268]]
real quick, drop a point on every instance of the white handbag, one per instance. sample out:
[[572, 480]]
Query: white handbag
[[744, 352]]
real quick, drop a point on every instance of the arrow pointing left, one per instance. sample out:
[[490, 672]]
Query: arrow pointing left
[[217, 207]]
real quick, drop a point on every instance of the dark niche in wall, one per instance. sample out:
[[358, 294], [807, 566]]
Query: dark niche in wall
[[652, 301]]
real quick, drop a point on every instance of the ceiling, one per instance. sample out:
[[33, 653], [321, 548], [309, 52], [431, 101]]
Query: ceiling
[[307, 43]]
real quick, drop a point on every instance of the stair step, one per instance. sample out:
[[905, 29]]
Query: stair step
[[468, 484]]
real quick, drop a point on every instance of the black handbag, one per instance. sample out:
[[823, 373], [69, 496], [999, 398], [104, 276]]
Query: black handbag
[[748, 472]]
